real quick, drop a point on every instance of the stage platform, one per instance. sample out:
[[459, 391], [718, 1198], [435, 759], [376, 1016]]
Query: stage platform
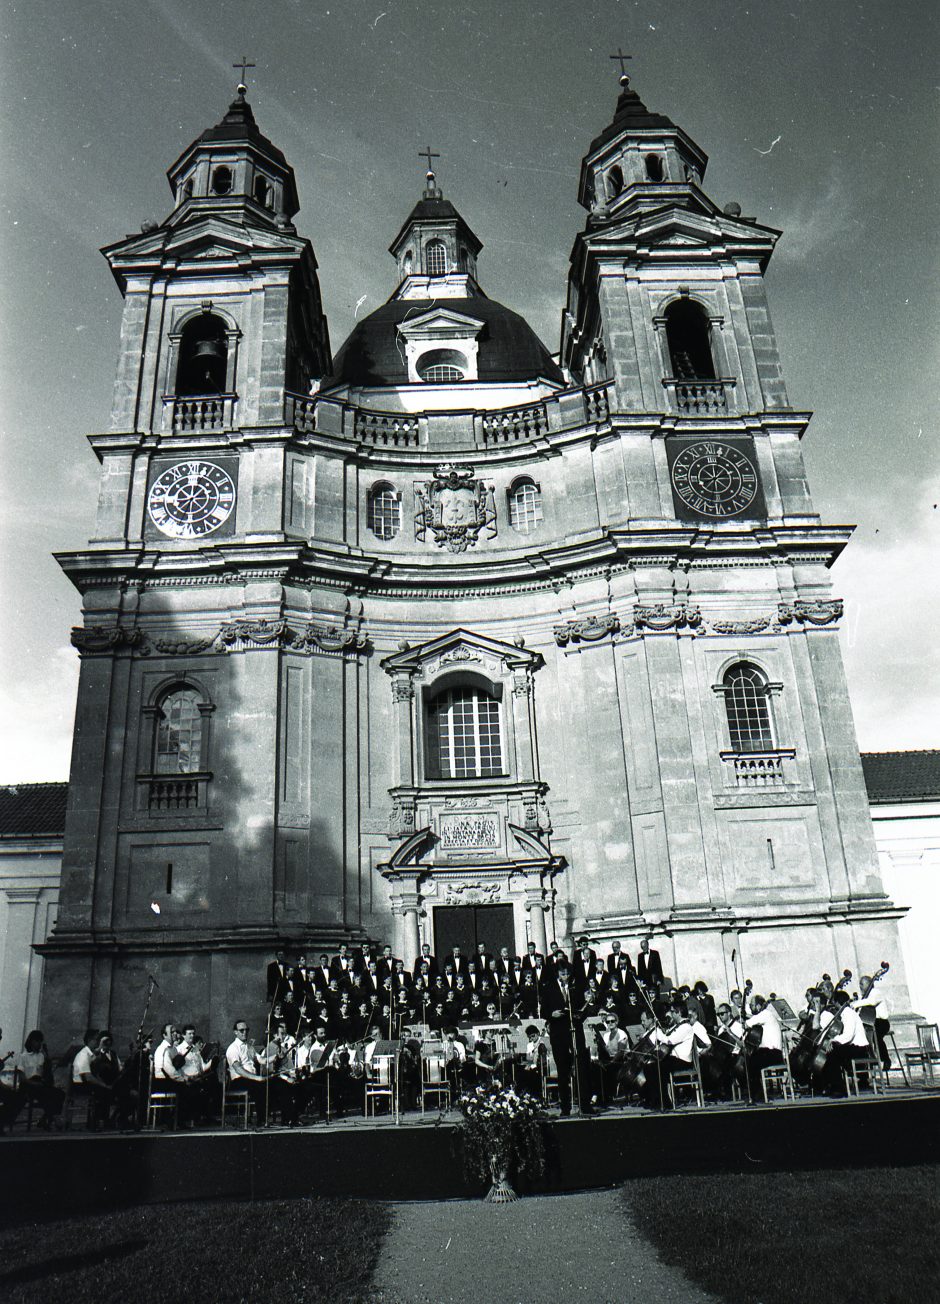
[[418, 1159]]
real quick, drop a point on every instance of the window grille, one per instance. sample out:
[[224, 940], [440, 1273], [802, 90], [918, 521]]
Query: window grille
[[747, 703], [436, 258], [525, 507], [463, 735], [384, 512], [441, 374], [179, 733]]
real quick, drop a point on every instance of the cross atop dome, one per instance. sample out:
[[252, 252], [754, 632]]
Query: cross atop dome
[[432, 190]]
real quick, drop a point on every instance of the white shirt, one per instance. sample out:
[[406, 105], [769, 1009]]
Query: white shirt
[[193, 1065], [454, 1050], [875, 1000], [238, 1056], [681, 1040], [700, 1033], [160, 1062], [616, 1041], [81, 1064], [769, 1023], [853, 1030]]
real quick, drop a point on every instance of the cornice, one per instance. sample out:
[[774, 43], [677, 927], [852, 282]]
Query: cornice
[[320, 564]]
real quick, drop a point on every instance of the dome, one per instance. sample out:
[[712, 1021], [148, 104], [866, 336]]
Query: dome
[[509, 349]]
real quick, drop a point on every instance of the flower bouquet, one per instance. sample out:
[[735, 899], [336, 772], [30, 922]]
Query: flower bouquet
[[502, 1135]]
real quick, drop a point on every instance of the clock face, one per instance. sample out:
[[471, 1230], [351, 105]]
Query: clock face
[[191, 499], [714, 478]]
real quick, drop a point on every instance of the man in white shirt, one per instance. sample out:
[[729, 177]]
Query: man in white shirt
[[86, 1082], [770, 1050], [196, 1077], [612, 1044], [873, 1008], [848, 1044], [241, 1065], [166, 1060]]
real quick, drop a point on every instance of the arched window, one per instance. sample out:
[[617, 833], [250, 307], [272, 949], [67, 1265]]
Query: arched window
[[747, 703], [463, 739], [203, 356], [408, 263], [525, 506], [614, 182], [263, 191], [442, 366], [384, 511], [435, 257], [221, 180], [178, 738], [654, 167], [687, 335]]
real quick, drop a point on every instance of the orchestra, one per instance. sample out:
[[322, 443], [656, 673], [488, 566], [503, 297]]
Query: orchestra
[[595, 1030]]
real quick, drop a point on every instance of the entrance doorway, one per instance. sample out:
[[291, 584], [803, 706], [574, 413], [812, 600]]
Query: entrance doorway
[[467, 926]]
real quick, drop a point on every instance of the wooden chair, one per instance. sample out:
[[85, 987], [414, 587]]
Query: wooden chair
[[897, 1064], [73, 1104], [162, 1105], [927, 1053], [867, 1067], [689, 1079], [779, 1076], [236, 1101]]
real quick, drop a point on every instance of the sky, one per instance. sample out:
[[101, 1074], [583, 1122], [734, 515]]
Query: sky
[[819, 117]]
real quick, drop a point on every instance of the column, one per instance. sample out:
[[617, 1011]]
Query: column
[[403, 695]]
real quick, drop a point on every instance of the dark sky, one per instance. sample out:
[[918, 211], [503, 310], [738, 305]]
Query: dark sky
[[819, 117]]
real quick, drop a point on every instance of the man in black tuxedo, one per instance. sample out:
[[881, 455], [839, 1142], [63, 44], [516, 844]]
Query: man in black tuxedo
[[458, 961], [649, 969], [342, 965], [385, 964], [554, 957], [483, 957], [618, 960], [557, 998], [582, 964], [321, 975], [535, 961], [506, 964], [425, 956], [277, 977]]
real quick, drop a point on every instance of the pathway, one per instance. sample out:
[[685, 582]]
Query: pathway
[[542, 1248]]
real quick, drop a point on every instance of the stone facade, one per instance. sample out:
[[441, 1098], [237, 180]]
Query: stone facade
[[583, 553]]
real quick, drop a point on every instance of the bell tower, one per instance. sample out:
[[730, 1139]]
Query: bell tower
[[221, 300]]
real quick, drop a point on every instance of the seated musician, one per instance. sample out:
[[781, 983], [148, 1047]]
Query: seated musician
[[680, 1038], [506, 999], [770, 1050], [848, 1043], [653, 1050], [612, 1045], [201, 1086], [726, 1061], [455, 1059], [535, 1064], [243, 1067], [345, 1078]]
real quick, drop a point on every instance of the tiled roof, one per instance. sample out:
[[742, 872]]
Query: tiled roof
[[32, 809], [902, 776]]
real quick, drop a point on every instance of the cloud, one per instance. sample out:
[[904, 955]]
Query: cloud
[[825, 218]]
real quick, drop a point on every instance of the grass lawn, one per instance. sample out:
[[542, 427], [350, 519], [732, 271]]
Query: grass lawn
[[273, 1250], [868, 1236]]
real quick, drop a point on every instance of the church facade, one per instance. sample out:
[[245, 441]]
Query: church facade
[[442, 638]]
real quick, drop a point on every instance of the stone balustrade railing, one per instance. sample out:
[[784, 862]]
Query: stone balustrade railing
[[196, 413], [698, 398], [759, 769]]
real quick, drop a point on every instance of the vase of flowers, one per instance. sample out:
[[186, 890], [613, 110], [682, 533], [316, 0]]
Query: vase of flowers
[[502, 1135]]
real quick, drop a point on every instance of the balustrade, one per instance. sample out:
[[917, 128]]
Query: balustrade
[[759, 769], [198, 412], [700, 398]]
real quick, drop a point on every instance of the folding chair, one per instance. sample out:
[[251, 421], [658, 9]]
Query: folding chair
[[161, 1104], [689, 1079], [434, 1080], [779, 1076], [927, 1053]]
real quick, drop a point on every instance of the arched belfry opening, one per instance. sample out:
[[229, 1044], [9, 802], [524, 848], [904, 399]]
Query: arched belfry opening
[[688, 332], [203, 356]]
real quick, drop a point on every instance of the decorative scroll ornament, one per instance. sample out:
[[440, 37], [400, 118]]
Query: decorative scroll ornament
[[461, 653], [810, 613], [104, 638], [256, 633], [402, 821], [587, 631], [660, 617], [330, 638], [754, 626], [182, 647], [455, 507], [471, 894]]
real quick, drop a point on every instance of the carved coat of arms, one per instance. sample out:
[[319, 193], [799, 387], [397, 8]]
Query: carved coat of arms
[[455, 507]]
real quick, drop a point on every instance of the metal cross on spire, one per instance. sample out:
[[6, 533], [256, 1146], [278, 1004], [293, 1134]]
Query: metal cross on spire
[[428, 153], [244, 66], [622, 59]]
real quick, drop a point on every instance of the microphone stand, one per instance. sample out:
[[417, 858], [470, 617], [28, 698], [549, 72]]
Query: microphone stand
[[741, 986], [574, 1047], [151, 984]]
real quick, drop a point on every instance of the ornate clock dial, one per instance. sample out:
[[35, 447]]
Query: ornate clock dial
[[191, 499], [714, 478]]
